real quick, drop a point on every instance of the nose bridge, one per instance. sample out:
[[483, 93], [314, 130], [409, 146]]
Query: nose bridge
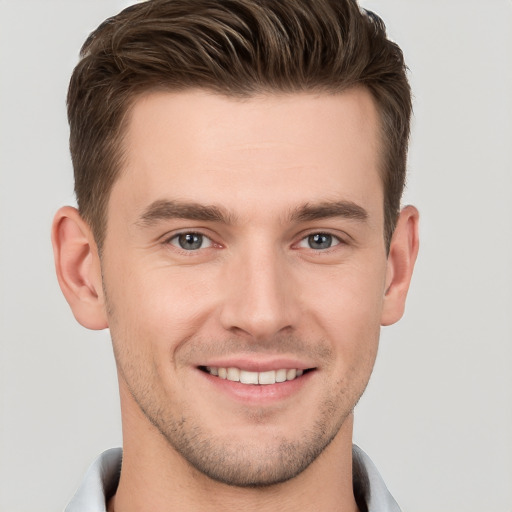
[[259, 296]]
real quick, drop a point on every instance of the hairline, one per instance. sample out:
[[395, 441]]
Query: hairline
[[119, 147]]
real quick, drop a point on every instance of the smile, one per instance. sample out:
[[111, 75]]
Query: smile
[[254, 378]]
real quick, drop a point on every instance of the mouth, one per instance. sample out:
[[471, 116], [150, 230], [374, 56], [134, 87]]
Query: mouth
[[255, 378]]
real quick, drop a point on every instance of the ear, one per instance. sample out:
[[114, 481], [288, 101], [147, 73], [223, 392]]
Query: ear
[[402, 256], [78, 268]]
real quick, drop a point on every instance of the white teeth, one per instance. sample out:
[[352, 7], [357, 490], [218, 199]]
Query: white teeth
[[267, 377], [280, 375], [247, 377], [234, 374], [213, 370]]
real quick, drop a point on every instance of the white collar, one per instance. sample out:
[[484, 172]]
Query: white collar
[[102, 478]]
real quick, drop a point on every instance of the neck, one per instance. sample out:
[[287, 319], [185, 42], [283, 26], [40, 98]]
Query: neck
[[155, 477]]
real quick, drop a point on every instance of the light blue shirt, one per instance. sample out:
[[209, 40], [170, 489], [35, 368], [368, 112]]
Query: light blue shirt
[[102, 478]]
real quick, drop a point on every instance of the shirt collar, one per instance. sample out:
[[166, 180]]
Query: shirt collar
[[102, 478]]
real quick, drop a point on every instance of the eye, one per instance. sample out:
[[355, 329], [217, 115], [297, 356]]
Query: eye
[[190, 241], [319, 241]]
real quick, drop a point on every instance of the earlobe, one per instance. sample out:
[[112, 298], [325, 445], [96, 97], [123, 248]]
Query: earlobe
[[78, 268], [401, 259]]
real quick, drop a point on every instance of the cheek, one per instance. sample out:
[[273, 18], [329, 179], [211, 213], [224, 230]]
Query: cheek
[[352, 291], [159, 304], [348, 310]]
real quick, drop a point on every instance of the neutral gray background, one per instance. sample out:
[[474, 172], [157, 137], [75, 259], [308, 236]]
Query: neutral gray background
[[437, 417]]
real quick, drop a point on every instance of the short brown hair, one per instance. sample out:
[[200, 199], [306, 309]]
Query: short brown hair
[[233, 47]]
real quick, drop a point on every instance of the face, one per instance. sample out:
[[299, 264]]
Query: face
[[244, 272]]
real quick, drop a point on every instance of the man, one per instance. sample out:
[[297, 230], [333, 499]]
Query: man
[[238, 169]]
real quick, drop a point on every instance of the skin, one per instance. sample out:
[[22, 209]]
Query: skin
[[255, 180]]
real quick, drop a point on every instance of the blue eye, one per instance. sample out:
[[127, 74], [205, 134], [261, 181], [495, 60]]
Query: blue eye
[[190, 241], [319, 241]]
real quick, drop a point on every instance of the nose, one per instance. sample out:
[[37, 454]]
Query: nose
[[260, 299]]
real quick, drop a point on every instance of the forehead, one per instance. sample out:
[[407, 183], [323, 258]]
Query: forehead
[[276, 149]]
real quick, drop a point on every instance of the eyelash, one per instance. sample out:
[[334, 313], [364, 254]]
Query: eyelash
[[176, 237], [306, 239], [336, 241]]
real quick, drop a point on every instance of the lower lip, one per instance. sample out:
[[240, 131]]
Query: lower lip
[[258, 394]]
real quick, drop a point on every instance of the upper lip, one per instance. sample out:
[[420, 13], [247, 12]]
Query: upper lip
[[253, 364]]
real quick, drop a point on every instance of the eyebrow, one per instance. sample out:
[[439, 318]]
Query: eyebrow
[[328, 209], [164, 209]]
